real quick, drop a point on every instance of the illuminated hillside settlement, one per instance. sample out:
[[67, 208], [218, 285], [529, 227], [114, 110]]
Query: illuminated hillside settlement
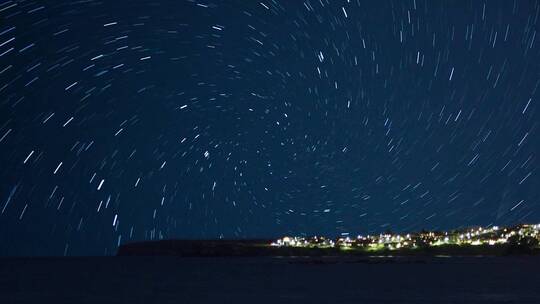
[[525, 234]]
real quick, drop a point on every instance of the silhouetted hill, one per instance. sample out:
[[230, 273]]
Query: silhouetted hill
[[255, 248], [197, 248]]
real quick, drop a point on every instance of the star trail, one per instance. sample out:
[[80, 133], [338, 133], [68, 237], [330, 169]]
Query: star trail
[[144, 120]]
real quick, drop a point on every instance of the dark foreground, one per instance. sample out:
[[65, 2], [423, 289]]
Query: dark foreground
[[270, 280]]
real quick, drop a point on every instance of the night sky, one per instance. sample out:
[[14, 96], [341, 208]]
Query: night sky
[[143, 120]]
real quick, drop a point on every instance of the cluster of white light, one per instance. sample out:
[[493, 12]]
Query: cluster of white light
[[477, 236]]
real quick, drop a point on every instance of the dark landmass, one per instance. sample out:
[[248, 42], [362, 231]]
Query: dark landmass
[[199, 248], [262, 248]]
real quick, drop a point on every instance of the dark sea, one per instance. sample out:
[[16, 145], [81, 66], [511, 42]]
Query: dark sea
[[270, 280]]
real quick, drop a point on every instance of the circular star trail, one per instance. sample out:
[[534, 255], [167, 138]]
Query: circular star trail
[[145, 120]]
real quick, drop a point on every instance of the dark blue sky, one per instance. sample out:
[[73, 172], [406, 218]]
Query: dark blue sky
[[141, 120]]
